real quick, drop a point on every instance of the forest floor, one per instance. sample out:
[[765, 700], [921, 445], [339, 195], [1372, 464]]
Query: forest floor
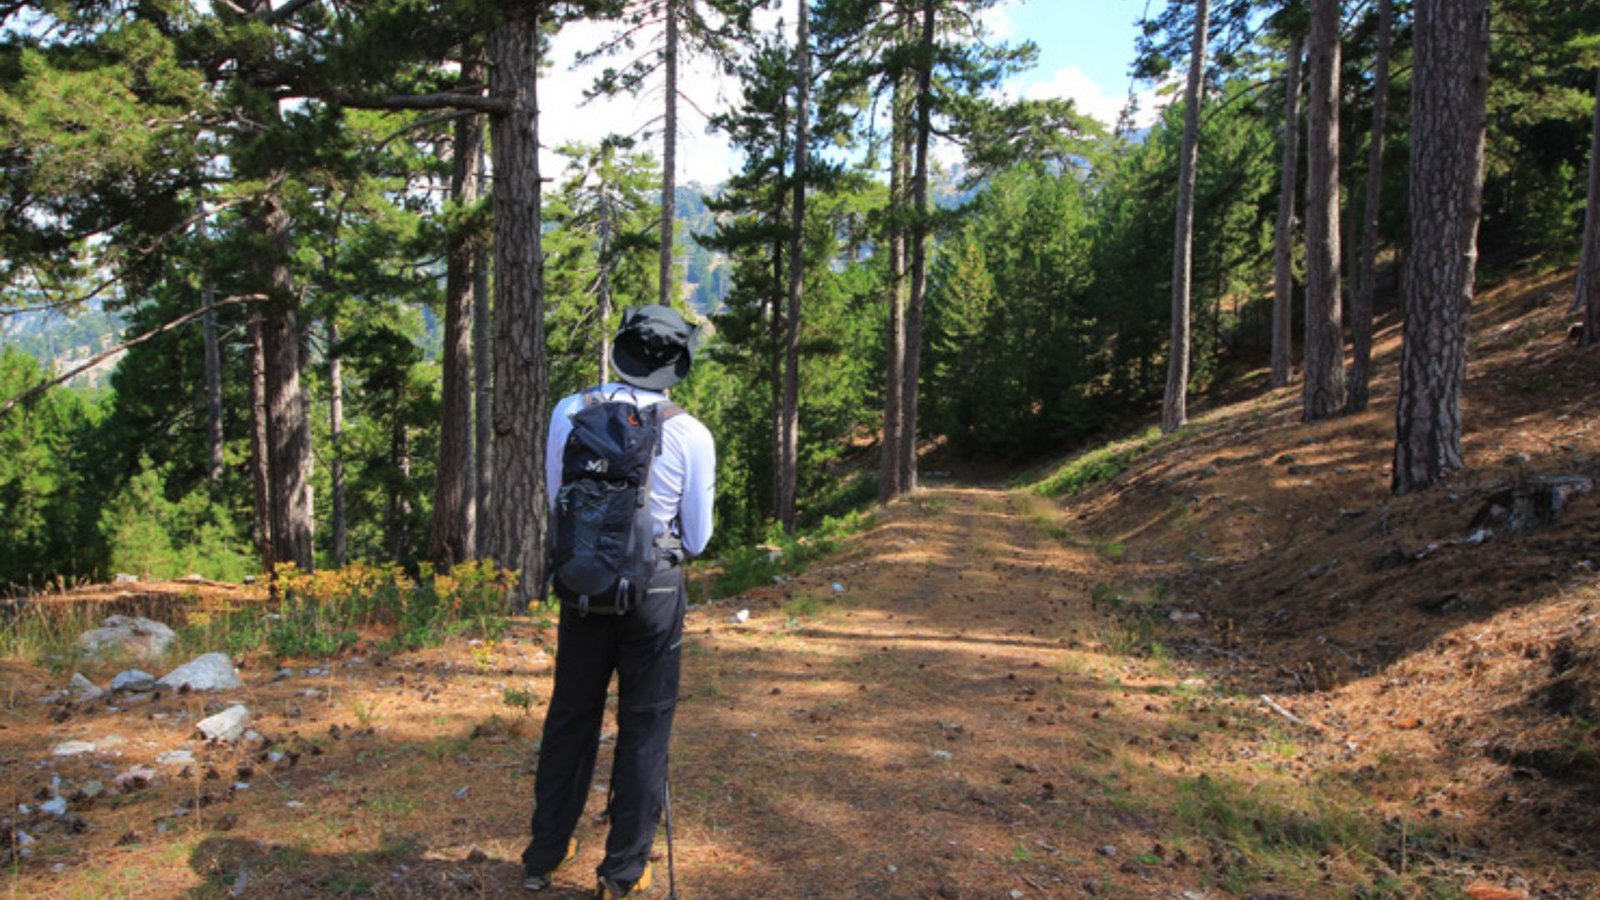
[[1239, 668]]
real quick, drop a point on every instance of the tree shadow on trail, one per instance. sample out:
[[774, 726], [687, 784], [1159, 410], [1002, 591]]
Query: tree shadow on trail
[[240, 867]]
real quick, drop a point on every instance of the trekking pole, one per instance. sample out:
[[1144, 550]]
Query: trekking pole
[[672, 869]]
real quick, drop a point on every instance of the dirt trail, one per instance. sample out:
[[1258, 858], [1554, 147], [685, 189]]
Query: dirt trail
[[970, 699]]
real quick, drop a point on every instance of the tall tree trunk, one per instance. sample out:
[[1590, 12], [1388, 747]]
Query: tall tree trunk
[[213, 362], [1283, 235], [1367, 270], [790, 461], [775, 333], [341, 550], [288, 430], [1588, 294], [397, 524], [605, 286], [521, 404], [260, 467], [483, 382], [891, 483], [1450, 78], [1324, 351], [451, 536], [213, 386], [919, 254], [1174, 407], [669, 153]]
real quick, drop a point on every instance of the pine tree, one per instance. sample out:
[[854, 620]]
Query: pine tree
[[1173, 407], [1324, 342], [1283, 241], [1366, 273], [1449, 93]]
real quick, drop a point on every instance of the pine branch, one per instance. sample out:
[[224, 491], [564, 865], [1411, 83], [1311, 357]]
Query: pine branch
[[441, 100], [101, 357]]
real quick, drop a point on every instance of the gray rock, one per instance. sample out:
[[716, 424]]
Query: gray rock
[[72, 748], [227, 725], [133, 681], [55, 806], [92, 788], [85, 689], [176, 758], [131, 635], [125, 578], [207, 672]]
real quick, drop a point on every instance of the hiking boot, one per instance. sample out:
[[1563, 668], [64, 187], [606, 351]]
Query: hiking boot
[[540, 882], [609, 889]]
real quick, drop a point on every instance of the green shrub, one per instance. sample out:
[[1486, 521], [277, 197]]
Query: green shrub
[[153, 537]]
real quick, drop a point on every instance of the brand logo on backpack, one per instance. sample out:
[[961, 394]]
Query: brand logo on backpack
[[603, 549]]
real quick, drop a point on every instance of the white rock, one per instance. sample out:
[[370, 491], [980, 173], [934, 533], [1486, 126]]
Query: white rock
[[25, 839], [135, 778], [943, 755], [71, 748], [132, 635], [207, 672], [838, 588], [1179, 615], [125, 578], [133, 680], [227, 725], [55, 806], [740, 617], [176, 758]]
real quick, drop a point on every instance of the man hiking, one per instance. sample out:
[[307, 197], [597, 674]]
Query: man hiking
[[631, 482]]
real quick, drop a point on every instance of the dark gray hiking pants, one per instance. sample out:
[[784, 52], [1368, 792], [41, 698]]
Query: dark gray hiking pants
[[645, 648]]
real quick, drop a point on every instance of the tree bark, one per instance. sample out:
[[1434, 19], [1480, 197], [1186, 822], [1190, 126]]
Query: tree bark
[[669, 154], [341, 550], [288, 429], [1450, 77], [518, 509], [451, 534], [483, 381], [1283, 239], [1367, 271], [260, 469], [891, 484], [789, 481], [213, 386], [1324, 350], [1588, 293], [775, 333], [919, 254], [398, 518], [1174, 406], [604, 290]]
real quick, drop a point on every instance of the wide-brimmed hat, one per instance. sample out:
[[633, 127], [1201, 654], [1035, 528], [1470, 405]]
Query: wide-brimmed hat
[[651, 349]]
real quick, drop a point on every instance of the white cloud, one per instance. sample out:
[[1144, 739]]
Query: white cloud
[[1092, 98]]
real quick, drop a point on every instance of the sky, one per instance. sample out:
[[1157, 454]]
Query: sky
[[1085, 48]]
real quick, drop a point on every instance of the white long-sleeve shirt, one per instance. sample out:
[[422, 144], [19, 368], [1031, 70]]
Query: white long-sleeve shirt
[[683, 477]]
